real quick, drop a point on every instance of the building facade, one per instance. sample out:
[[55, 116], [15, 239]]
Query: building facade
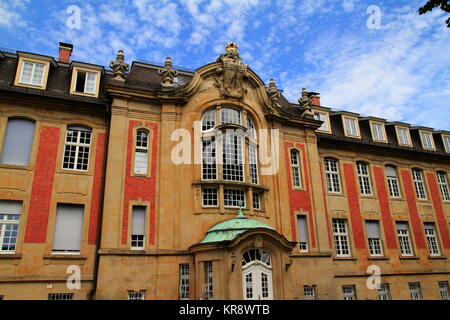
[[155, 182]]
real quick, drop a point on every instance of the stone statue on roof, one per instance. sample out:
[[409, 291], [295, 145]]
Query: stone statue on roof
[[305, 102], [168, 73], [274, 95], [231, 78], [119, 66]]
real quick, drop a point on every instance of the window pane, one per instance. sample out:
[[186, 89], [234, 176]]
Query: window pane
[[230, 116], [138, 224], [90, 82], [18, 142], [209, 119], [68, 228]]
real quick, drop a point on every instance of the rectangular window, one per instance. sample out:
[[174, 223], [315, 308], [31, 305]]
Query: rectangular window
[[210, 197], [446, 140], [322, 116], [432, 240], [233, 198], [403, 136], [364, 178], [209, 165], [378, 131], [374, 238], [302, 233], [18, 142], [415, 291], [76, 149], [332, 175], [136, 295], [340, 234], [60, 296], [351, 127], [349, 292], [309, 292], [403, 238], [68, 228], [229, 115], [443, 185], [208, 287], [253, 163], [419, 184], [32, 73], [233, 168], [184, 281], [85, 82], [256, 200], [384, 292], [295, 167], [443, 289], [141, 152], [393, 184], [427, 140], [9, 225], [138, 227]]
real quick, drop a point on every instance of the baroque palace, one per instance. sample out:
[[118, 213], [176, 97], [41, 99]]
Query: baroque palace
[[155, 182]]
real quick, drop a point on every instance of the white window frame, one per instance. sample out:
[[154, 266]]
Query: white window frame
[[419, 183], [303, 235], [332, 175], [209, 280], [415, 291], [136, 295], [384, 292], [426, 138], [378, 131], [33, 70], [404, 240], [351, 127], [403, 135], [296, 172], [206, 200], [393, 183], [309, 292], [443, 290], [341, 238], [446, 142], [86, 80], [236, 200], [77, 145], [349, 292], [137, 241], [253, 163], [432, 239], [184, 281], [11, 220], [323, 116], [443, 185], [375, 243], [256, 201], [365, 183], [141, 153]]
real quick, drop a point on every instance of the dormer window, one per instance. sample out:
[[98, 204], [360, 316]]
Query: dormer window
[[403, 136], [32, 71], [378, 132], [323, 116], [85, 82], [351, 128], [427, 140], [446, 141]]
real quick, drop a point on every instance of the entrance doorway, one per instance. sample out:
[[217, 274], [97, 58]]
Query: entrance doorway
[[257, 275]]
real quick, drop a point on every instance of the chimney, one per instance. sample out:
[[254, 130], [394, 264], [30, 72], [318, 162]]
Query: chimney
[[315, 100], [65, 50]]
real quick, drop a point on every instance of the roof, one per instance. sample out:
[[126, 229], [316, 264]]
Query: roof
[[229, 229]]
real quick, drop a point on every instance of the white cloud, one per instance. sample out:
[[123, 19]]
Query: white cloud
[[10, 15]]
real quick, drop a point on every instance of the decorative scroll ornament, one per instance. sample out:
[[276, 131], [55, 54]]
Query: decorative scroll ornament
[[168, 73], [274, 95], [305, 102], [231, 78], [119, 66]]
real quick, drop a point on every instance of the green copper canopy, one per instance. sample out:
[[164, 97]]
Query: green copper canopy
[[230, 229]]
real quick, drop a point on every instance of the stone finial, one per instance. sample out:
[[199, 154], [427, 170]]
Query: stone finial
[[167, 73], [119, 66], [274, 95], [305, 102]]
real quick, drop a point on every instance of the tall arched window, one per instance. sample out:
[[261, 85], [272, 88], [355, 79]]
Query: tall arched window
[[225, 131], [419, 183], [295, 168], [18, 142], [77, 147], [332, 175], [365, 185], [141, 152]]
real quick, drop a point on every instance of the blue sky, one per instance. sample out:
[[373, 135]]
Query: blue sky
[[399, 71]]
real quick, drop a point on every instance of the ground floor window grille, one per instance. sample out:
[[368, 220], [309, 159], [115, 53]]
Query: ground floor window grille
[[309, 292], [184, 281], [383, 292], [135, 295], [443, 289], [60, 296], [208, 288], [349, 292], [415, 291]]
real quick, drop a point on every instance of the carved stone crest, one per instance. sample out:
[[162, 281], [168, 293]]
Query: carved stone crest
[[231, 78], [119, 66], [167, 73], [305, 102]]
